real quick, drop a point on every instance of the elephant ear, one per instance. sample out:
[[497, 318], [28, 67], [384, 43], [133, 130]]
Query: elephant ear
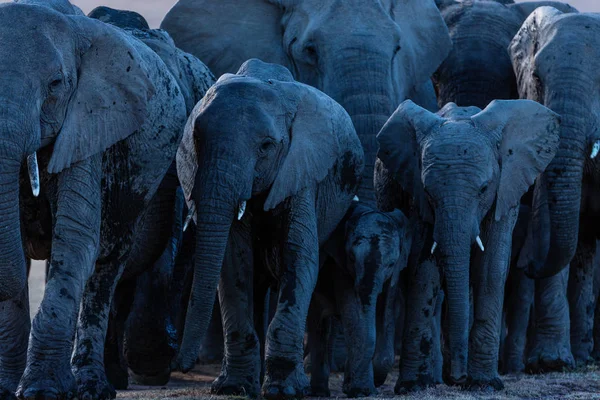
[[527, 135], [218, 32], [111, 97], [314, 148], [400, 149], [425, 42], [524, 47]]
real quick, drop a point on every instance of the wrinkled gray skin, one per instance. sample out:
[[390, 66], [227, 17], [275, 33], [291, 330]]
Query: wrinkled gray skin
[[460, 174], [477, 71], [289, 156], [152, 337], [368, 55], [105, 134], [556, 62], [359, 282]]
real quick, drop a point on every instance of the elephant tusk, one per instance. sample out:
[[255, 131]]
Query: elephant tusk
[[241, 210], [595, 149], [433, 247], [189, 217], [355, 198], [480, 243], [34, 173]]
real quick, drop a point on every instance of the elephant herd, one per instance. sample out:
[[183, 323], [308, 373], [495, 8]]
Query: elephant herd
[[409, 178]]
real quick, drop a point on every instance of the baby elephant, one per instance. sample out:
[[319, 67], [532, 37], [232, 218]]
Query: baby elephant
[[361, 263]]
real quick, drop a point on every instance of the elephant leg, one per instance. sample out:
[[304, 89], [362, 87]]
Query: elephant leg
[[489, 271], [240, 372], [383, 360], [115, 364], [416, 363], [211, 351], [88, 357], [319, 331], [438, 359], [596, 351], [581, 299], [75, 244], [518, 304], [14, 335], [285, 375], [262, 299], [550, 349], [338, 349], [359, 319]]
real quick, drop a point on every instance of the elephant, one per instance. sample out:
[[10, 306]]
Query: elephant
[[478, 68], [152, 337], [358, 280], [368, 55], [477, 71], [555, 62], [92, 120], [460, 174], [269, 167]]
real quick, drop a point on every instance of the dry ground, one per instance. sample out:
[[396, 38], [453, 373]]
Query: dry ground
[[582, 385]]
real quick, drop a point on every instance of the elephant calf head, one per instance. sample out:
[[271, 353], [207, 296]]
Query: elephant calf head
[[461, 166], [376, 249], [461, 161]]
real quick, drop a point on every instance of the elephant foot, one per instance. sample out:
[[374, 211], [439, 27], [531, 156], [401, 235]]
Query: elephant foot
[[6, 394], [285, 379], [93, 385], [381, 371], [549, 358], [160, 379], [421, 383], [117, 376], [47, 382], [485, 385], [228, 385], [317, 391], [352, 390], [514, 365]]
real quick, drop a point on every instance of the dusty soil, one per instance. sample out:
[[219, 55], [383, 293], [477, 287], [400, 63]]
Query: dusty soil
[[578, 385]]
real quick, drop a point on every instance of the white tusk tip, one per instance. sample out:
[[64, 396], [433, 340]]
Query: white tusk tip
[[480, 243], [189, 217], [433, 247], [355, 198], [595, 149], [34, 174], [241, 210]]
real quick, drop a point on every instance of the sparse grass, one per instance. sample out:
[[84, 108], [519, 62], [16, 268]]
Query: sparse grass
[[583, 384]]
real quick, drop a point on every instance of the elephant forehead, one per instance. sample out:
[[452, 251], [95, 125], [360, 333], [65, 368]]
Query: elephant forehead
[[227, 115], [571, 33], [456, 143], [40, 33]]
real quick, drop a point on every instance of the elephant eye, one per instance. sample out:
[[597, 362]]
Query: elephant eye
[[267, 146], [56, 83], [310, 50], [483, 189]]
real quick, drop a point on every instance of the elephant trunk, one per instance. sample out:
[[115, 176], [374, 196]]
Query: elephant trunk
[[216, 203], [13, 270], [563, 187], [364, 88], [454, 247]]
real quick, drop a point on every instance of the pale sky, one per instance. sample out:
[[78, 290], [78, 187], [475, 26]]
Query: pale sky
[[155, 10]]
